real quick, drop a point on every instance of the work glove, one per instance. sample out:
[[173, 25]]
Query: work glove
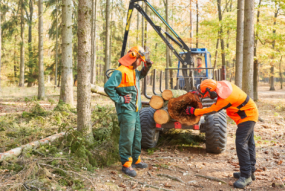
[[190, 110], [127, 98], [148, 63], [195, 92]]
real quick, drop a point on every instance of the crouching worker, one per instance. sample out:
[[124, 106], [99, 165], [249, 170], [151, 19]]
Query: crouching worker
[[242, 109], [123, 88]]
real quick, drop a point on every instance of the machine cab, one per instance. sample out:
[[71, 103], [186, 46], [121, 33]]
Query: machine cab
[[202, 67]]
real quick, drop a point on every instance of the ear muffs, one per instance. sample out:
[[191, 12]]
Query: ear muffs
[[133, 54], [213, 94]]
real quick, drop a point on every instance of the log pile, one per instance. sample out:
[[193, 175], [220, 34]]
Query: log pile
[[171, 104]]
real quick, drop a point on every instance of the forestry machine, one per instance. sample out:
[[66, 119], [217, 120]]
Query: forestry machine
[[194, 65]]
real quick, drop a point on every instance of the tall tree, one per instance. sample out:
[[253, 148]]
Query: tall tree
[[197, 23], [248, 46], [272, 74], [191, 25], [83, 69], [221, 33], [93, 42], [256, 64], [22, 56], [107, 45], [239, 43], [41, 88], [66, 88], [280, 73], [31, 64], [0, 44], [167, 49], [56, 45]]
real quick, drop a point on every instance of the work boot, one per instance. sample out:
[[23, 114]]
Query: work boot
[[242, 182], [140, 165], [129, 171], [237, 175]]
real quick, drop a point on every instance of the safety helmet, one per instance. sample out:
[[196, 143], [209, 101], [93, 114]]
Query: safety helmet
[[207, 88], [134, 53]]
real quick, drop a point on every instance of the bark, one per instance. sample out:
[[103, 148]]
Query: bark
[[256, 62], [107, 45], [167, 49], [272, 77], [280, 73], [0, 47], [56, 46], [197, 23], [191, 25], [239, 44], [177, 108], [93, 41], [30, 45], [22, 56], [221, 33], [15, 67], [138, 27], [145, 28], [66, 88], [217, 47], [142, 45], [248, 46], [83, 70], [41, 83]]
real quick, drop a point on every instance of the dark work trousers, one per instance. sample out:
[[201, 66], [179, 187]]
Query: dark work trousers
[[245, 147]]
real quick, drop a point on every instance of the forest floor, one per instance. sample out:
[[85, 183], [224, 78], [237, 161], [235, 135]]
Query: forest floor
[[174, 159]]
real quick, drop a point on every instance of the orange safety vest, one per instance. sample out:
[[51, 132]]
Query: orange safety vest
[[239, 106]]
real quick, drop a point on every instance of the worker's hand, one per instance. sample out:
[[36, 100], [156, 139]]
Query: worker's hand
[[127, 98], [190, 110], [148, 63]]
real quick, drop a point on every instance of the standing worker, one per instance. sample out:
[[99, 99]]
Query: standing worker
[[242, 109], [123, 88]]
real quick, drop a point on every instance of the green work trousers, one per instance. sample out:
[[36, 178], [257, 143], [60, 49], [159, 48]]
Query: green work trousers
[[130, 137]]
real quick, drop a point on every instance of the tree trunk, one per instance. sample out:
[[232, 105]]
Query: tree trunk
[[56, 45], [138, 27], [167, 49], [93, 42], [272, 78], [256, 63], [66, 88], [156, 102], [145, 28], [0, 46], [168, 94], [161, 116], [197, 23], [83, 70], [191, 25], [217, 47], [280, 73], [272, 75], [22, 56], [41, 87], [107, 45], [15, 67], [30, 45], [221, 34], [239, 44], [248, 46], [142, 45]]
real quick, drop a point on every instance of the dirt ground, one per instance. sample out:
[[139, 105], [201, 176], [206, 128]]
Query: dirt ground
[[184, 163]]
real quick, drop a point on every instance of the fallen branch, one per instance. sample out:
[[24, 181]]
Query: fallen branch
[[211, 178], [150, 186], [98, 90], [171, 177], [67, 172], [149, 173]]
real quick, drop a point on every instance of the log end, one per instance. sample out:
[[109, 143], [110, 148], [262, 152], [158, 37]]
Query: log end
[[177, 108], [156, 102], [167, 94], [161, 116]]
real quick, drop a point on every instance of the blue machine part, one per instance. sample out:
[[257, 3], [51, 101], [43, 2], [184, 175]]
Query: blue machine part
[[207, 65]]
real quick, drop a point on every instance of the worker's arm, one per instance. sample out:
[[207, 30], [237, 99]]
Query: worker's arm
[[110, 87], [216, 107], [144, 70]]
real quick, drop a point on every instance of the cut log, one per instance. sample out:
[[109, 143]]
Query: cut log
[[161, 116], [98, 90], [156, 102], [168, 94], [177, 108]]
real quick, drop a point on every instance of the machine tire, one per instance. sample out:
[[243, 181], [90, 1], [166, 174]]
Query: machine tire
[[150, 134], [216, 132]]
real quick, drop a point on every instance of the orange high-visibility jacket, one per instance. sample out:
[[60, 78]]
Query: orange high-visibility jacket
[[239, 106]]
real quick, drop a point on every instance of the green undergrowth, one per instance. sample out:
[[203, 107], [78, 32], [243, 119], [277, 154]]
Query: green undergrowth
[[63, 163], [182, 138]]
